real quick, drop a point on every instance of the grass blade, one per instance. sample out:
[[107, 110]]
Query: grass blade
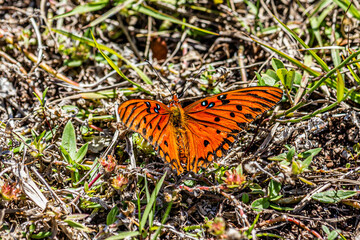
[[294, 35], [109, 13], [162, 16], [89, 42], [151, 202]]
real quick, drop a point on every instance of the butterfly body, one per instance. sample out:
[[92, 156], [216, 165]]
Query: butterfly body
[[194, 136]]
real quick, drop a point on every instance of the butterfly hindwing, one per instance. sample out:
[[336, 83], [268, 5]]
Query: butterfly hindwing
[[206, 144], [214, 122], [151, 119]]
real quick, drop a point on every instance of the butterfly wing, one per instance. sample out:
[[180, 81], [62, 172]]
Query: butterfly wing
[[151, 119], [213, 123]]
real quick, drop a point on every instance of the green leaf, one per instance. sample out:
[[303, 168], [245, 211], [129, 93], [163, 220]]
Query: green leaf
[[325, 229], [268, 80], [340, 87], [274, 190], [40, 101], [297, 79], [356, 148], [279, 208], [253, 224], [290, 154], [66, 155], [111, 217], [81, 153], [151, 202], [333, 196], [290, 78], [295, 167], [166, 215], [306, 163], [311, 152], [277, 64], [280, 157], [78, 226], [245, 198], [44, 95], [272, 74], [344, 4], [123, 235], [68, 141], [333, 235], [85, 8], [40, 235], [260, 204], [281, 73], [261, 81]]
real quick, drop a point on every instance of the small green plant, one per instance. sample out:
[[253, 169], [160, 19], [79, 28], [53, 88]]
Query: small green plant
[[331, 235], [77, 55], [70, 153], [273, 195], [42, 99], [299, 162], [147, 216], [356, 148], [39, 142]]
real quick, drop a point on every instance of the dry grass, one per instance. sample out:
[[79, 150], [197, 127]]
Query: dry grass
[[294, 175]]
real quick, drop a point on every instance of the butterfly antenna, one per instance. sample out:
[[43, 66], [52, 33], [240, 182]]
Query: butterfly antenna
[[193, 79], [158, 75]]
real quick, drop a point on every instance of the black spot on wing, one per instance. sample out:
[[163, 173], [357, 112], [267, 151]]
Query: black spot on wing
[[222, 97], [206, 143], [248, 116], [239, 107], [232, 114], [224, 102], [241, 125], [217, 119]]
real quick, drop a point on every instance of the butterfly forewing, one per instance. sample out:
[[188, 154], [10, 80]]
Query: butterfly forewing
[[151, 119], [213, 122]]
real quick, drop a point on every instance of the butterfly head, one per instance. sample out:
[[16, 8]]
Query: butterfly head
[[174, 101], [176, 110]]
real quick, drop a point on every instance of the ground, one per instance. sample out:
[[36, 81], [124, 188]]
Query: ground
[[72, 169]]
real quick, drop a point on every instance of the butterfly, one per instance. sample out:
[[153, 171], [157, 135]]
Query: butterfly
[[192, 137]]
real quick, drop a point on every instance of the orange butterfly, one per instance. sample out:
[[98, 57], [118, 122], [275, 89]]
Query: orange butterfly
[[194, 136]]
